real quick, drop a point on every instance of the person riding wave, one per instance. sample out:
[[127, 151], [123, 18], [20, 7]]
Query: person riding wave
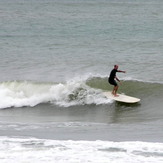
[[112, 80]]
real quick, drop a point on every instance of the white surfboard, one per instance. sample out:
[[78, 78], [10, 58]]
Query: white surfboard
[[121, 98]]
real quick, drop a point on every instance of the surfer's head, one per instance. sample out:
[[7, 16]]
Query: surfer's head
[[116, 67]]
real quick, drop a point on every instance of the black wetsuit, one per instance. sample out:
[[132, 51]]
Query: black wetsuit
[[112, 76]]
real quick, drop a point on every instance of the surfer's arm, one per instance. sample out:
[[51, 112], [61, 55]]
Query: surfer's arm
[[117, 79], [121, 71]]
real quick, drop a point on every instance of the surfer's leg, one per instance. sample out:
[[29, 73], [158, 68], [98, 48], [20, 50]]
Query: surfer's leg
[[115, 90]]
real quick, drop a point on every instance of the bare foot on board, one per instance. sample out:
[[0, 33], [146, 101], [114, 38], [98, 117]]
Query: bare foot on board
[[116, 95]]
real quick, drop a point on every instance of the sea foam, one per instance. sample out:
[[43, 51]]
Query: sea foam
[[43, 150], [27, 93]]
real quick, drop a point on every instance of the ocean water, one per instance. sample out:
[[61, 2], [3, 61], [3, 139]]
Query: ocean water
[[55, 58]]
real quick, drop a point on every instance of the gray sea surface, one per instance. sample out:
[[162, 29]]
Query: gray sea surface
[[55, 58]]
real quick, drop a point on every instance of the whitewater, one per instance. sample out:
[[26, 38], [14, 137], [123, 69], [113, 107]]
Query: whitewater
[[26, 93], [78, 151]]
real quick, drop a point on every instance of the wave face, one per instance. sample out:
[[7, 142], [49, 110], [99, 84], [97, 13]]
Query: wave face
[[129, 86]]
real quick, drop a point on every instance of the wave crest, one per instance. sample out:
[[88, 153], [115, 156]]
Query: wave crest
[[26, 93]]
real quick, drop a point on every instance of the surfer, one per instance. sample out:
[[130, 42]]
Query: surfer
[[112, 78]]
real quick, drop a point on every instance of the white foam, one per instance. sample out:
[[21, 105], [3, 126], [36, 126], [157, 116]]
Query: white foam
[[42, 150], [76, 92], [25, 93]]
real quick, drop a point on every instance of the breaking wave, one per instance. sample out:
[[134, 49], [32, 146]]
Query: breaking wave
[[27, 93], [78, 91]]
